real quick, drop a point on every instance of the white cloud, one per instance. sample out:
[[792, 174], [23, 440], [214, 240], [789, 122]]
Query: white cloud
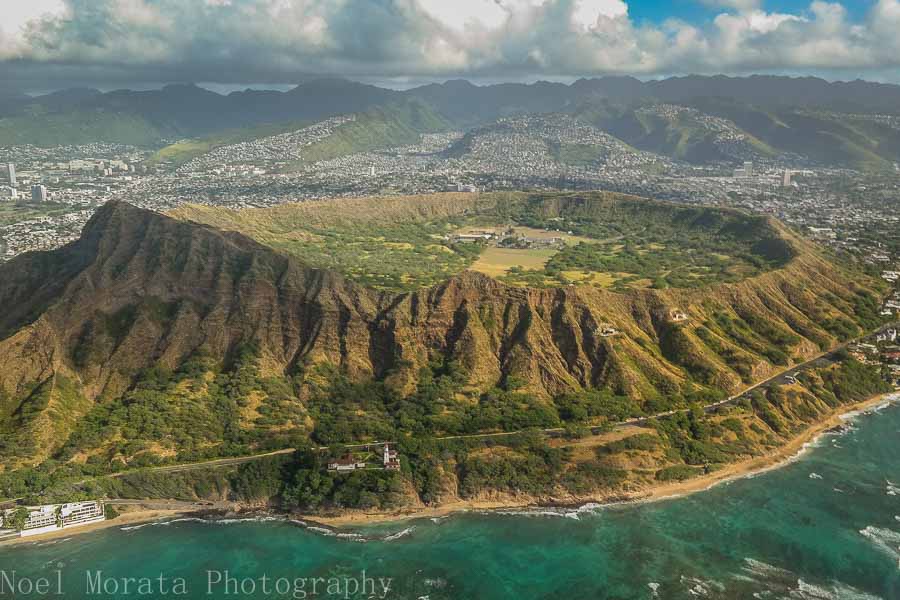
[[280, 40], [762, 22], [19, 12], [460, 14], [586, 13]]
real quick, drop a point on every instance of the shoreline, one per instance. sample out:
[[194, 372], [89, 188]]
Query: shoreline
[[782, 456], [134, 517]]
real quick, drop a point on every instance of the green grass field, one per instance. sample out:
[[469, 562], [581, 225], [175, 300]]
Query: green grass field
[[498, 261], [627, 246]]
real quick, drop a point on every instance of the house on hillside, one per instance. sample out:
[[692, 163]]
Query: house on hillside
[[887, 336], [346, 463], [474, 237], [390, 458], [678, 316], [891, 356], [524, 242], [607, 330]]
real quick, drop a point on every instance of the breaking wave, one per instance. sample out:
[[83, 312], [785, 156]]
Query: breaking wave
[[770, 582], [886, 540], [210, 521], [399, 534]]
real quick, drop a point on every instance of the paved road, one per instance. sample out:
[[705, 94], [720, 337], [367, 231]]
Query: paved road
[[209, 464], [169, 504], [225, 462]]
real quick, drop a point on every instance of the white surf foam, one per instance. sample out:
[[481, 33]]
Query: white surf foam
[[834, 591], [886, 540], [400, 534], [534, 512], [701, 588], [779, 583], [136, 527]]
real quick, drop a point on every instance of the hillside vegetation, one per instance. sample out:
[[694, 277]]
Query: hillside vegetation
[[857, 141], [155, 340], [578, 467], [703, 130], [377, 244], [677, 131], [184, 151], [41, 128], [393, 125]]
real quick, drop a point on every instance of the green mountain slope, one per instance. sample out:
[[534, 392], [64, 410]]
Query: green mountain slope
[[694, 119], [680, 132], [384, 127], [175, 111], [184, 151], [831, 138], [83, 127]]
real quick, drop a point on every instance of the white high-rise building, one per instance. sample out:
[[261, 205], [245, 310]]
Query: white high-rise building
[[11, 174], [748, 168], [787, 178]]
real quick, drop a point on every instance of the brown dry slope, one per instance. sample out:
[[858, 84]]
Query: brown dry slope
[[141, 289]]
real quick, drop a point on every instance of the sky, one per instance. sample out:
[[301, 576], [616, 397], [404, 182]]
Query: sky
[[51, 44]]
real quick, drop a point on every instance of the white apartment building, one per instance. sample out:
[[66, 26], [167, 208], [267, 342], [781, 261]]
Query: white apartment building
[[55, 517]]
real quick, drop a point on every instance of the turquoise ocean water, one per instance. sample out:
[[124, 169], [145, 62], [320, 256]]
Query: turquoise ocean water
[[824, 526]]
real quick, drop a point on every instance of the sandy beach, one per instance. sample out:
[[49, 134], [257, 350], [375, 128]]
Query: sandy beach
[[149, 511], [129, 516], [779, 458]]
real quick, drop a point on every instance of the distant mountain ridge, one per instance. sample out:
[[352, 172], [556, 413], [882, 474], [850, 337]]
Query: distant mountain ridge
[[818, 121], [175, 111], [191, 110]]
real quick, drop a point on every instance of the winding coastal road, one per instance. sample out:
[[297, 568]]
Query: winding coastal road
[[820, 360]]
